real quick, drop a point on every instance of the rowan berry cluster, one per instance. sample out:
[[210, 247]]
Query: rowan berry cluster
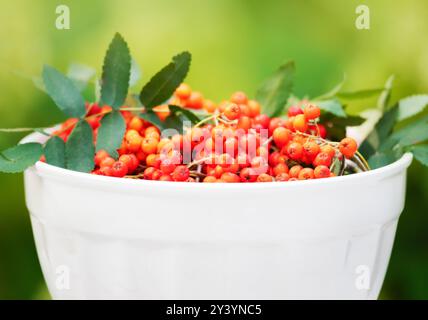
[[234, 143]]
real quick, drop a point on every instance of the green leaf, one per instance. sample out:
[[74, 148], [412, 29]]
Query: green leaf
[[380, 132], [411, 106], [336, 166], [274, 91], [116, 73], [378, 160], [349, 121], [79, 149], [412, 134], [20, 157], [383, 100], [331, 93], [152, 117], [332, 106], [111, 133], [80, 74], [63, 92], [360, 94], [176, 110], [421, 154], [336, 126], [163, 84], [55, 152], [179, 119]]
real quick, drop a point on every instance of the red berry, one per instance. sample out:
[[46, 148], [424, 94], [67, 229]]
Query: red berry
[[263, 120], [322, 172], [167, 166], [294, 111], [119, 169], [247, 176], [275, 123], [322, 131], [322, 158], [329, 150], [311, 149], [180, 173], [148, 173], [294, 150], [106, 171]]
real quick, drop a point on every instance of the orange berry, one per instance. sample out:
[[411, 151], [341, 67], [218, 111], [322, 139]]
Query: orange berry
[[183, 91], [162, 111], [254, 107], [312, 112], [230, 177], [280, 168], [133, 144], [100, 156], [306, 174], [264, 177], [294, 150], [348, 147], [294, 171], [107, 162], [136, 124], [282, 177], [195, 101], [281, 136], [329, 150], [210, 179], [244, 123], [209, 106], [149, 145], [239, 97], [153, 160], [131, 133], [299, 123], [311, 149], [232, 111]]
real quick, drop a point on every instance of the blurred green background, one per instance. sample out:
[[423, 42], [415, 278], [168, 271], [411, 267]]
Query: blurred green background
[[235, 45]]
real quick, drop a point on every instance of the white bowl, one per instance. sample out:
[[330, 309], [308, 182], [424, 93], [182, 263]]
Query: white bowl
[[101, 237]]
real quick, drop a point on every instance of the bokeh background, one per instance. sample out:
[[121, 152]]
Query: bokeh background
[[235, 45]]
